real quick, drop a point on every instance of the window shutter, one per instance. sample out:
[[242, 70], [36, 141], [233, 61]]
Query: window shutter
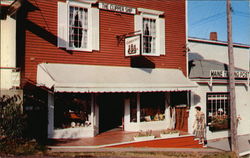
[[161, 35], [138, 23], [94, 26], [62, 24], [138, 27]]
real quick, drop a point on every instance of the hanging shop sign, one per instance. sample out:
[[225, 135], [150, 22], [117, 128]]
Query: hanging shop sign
[[6, 2], [224, 74], [116, 8], [133, 45]]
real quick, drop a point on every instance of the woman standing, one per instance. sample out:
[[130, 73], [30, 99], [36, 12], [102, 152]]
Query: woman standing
[[199, 125]]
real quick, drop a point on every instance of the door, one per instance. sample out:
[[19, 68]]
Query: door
[[111, 111]]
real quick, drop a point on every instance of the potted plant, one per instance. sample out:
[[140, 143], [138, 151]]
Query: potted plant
[[169, 133], [143, 136], [219, 122]]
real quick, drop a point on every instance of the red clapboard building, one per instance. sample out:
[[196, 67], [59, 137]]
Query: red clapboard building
[[89, 66]]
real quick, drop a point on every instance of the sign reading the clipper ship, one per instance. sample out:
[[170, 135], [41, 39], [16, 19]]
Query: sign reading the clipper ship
[[116, 8], [133, 45]]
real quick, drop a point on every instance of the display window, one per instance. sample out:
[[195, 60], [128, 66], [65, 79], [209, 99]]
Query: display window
[[152, 107], [72, 110], [218, 111]]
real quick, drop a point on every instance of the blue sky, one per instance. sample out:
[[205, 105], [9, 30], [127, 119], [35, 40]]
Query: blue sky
[[206, 16]]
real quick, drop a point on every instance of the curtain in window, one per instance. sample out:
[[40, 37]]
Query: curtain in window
[[72, 14], [78, 27], [149, 34], [84, 20]]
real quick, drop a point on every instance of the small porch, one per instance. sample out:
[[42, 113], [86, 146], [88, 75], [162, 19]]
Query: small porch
[[118, 138], [82, 106]]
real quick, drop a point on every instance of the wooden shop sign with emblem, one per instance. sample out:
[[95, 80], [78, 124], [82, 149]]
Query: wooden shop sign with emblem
[[133, 45], [116, 8]]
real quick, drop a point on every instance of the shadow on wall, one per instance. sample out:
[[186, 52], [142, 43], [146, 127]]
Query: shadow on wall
[[25, 24], [194, 56], [35, 106], [197, 99], [141, 62]]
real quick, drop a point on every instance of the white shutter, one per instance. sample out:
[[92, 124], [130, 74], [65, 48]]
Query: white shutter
[[62, 11], [94, 28], [138, 23], [161, 36], [138, 27]]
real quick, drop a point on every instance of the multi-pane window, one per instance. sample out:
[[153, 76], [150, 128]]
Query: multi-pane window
[[149, 35], [218, 111], [78, 27]]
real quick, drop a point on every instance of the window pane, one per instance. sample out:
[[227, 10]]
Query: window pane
[[149, 35], [78, 22]]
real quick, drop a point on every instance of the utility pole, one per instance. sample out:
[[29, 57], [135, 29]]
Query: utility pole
[[233, 120]]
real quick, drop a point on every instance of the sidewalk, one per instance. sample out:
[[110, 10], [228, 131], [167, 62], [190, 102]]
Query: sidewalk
[[223, 144]]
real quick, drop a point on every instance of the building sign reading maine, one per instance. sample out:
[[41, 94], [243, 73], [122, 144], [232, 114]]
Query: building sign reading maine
[[117, 8], [133, 45], [224, 74]]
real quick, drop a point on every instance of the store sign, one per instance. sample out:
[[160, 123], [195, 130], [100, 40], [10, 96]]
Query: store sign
[[133, 45], [117, 8], [224, 74], [7, 2]]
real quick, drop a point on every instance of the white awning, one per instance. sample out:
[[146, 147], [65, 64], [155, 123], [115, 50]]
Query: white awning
[[101, 79]]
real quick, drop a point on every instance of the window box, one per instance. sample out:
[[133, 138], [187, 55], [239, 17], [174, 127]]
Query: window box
[[169, 134], [143, 136], [219, 123]]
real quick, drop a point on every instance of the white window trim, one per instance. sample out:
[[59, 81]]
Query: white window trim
[[153, 14], [85, 1], [150, 11]]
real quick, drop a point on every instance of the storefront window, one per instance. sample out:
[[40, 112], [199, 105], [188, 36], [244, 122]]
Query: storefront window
[[152, 107], [72, 110], [133, 108], [218, 111]]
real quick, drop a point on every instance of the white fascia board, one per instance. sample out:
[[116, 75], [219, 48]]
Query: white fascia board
[[150, 11], [84, 1]]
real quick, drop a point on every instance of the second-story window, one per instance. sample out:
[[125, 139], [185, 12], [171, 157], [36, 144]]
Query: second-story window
[[78, 27], [149, 35], [151, 24]]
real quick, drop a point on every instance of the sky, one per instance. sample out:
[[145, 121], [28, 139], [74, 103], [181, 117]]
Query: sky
[[205, 16]]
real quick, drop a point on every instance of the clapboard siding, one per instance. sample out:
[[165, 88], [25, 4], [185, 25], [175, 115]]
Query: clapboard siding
[[41, 37]]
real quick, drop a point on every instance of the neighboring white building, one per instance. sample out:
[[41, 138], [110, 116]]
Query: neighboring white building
[[212, 95], [9, 73]]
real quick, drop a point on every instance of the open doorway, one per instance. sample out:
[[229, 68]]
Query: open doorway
[[180, 101], [111, 111]]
